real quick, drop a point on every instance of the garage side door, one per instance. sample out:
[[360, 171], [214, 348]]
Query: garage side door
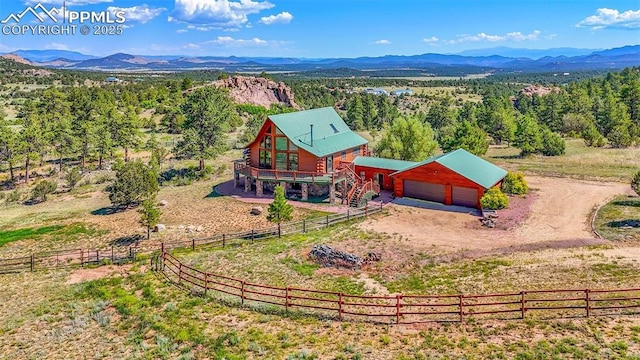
[[464, 196], [424, 191]]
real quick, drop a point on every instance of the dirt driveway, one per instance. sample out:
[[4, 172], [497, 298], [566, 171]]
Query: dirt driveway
[[559, 213]]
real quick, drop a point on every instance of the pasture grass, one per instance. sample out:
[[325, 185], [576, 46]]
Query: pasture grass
[[619, 219], [53, 232], [579, 161]]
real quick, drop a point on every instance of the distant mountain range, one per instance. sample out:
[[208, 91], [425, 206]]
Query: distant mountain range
[[474, 61]]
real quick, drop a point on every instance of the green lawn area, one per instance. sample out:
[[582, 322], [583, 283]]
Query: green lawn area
[[56, 232], [579, 162], [620, 219]]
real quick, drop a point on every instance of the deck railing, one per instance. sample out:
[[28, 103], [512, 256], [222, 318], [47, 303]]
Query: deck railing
[[290, 175]]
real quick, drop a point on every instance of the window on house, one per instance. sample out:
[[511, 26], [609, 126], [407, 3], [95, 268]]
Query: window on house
[[281, 161], [266, 142], [281, 143], [292, 146], [278, 131], [265, 159], [344, 155], [356, 151], [293, 162]]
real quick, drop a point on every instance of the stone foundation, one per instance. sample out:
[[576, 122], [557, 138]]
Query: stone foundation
[[305, 192], [247, 184], [259, 188]]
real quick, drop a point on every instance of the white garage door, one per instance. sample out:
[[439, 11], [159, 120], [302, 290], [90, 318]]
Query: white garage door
[[464, 196], [424, 191]]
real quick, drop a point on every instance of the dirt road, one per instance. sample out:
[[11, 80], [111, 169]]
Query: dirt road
[[560, 212]]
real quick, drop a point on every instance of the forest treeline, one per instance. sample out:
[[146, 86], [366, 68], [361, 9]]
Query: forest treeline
[[88, 124]]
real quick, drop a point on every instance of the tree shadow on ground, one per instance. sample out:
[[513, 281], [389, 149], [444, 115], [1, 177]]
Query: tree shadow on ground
[[634, 203], [634, 223], [127, 240], [107, 210], [508, 157]]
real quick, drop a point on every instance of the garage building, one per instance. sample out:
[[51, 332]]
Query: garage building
[[454, 178]]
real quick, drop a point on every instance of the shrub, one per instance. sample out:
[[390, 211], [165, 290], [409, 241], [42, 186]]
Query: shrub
[[514, 184], [494, 199], [13, 197], [42, 189], [635, 182], [592, 137], [72, 177], [552, 143]]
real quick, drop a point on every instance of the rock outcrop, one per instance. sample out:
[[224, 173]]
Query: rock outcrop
[[538, 90], [257, 91]]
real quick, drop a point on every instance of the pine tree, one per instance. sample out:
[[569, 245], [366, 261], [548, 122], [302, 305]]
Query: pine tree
[[149, 214], [279, 209]]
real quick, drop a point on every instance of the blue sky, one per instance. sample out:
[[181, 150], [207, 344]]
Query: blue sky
[[331, 28]]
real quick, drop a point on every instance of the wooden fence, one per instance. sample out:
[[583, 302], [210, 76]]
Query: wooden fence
[[122, 254], [404, 309]]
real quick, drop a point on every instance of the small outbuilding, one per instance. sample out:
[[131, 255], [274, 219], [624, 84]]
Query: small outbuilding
[[454, 178]]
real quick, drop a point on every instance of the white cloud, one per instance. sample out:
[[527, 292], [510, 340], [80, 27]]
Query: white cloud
[[432, 40], [612, 19], [483, 37], [217, 13], [231, 42], [382, 42], [140, 13], [66, 2], [56, 46], [282, 18], [182, 31]]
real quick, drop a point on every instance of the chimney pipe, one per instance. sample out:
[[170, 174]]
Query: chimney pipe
[[311, 134]]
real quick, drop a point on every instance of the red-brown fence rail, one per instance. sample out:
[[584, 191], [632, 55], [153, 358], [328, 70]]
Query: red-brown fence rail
[[121, 254], [404, 309]]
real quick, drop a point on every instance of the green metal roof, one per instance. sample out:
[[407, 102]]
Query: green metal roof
[[468, 165], [381, 163], [330, 133]]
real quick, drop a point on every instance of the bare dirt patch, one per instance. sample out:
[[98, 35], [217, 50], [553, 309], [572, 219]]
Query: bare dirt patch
[[559, 211], [82, 275]]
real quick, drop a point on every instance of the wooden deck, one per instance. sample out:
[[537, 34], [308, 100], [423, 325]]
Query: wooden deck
[[289, 176]]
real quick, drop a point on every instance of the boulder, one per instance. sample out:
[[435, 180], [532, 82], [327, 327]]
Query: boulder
[[163, 203], [256, 210], [191, 228], [160, 228], [199, 229]]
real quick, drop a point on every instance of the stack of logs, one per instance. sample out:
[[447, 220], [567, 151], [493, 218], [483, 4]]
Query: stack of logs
[[329, 257]]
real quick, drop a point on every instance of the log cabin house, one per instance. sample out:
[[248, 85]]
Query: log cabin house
[[314, 153]]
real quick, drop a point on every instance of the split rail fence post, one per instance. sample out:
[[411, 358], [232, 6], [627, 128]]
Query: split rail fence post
[[193, 244], [112, 257], [327, 221], [242, 293], [252, 235], [461, 304], [398, 306], [588, 301], [98, 256], [223, 240], [304, 226], [340, 306], [522, 304], [286, 299], [81, 258], [366, 210], [31, 262], [180, 272], [380, 205], [206, 284], [347, 214]]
